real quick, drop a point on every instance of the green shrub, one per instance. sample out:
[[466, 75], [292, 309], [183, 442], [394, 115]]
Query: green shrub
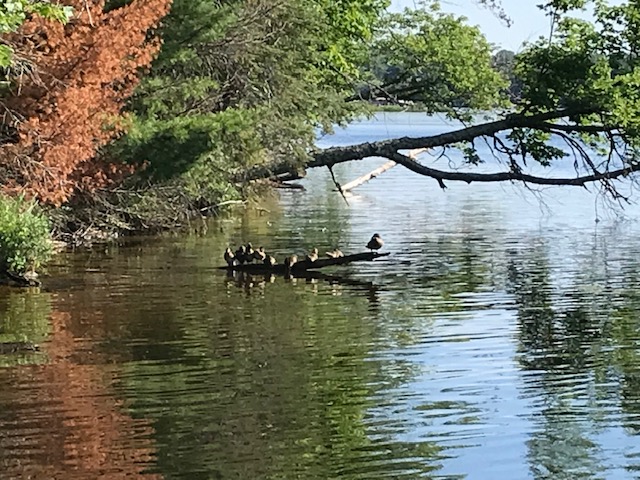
[[25, 238]]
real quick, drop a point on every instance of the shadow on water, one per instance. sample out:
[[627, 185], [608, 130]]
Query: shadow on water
[[497, 341]]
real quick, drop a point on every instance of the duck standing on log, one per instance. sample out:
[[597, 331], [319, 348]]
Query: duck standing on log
[[334, 254], [260, 255], [312, 256], [241, 254], [375, 243], [229, 257], [290, 262], [249, 251]]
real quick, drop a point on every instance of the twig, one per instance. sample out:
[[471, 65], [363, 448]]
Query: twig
[[335, 182]]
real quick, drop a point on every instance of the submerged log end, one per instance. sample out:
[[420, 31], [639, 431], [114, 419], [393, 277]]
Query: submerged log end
[[16, 280]]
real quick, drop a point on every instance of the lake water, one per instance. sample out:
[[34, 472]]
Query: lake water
[[500, 339]]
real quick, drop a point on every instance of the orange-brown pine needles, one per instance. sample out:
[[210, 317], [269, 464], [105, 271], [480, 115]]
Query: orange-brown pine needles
[[86, 70]]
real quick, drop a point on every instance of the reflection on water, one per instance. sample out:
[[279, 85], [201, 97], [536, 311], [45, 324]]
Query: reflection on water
[[501, 339]]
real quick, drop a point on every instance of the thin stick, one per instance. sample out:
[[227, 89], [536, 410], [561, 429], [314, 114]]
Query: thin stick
[[86, 6], [335, 182]]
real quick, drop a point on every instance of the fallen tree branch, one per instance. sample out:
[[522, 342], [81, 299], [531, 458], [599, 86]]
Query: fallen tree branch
[[365, 178], [390, 149], [378, 171]]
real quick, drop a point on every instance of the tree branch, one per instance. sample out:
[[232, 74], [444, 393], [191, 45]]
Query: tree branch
[[388, 148], [577, 128], [468, 177]]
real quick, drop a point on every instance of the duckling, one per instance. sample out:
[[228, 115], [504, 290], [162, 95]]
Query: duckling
[[241, 254], [269, 261], [375, 243], [259, 254], [290, 261], [334, 254], [312, 256], [229, 257], [249, 252]]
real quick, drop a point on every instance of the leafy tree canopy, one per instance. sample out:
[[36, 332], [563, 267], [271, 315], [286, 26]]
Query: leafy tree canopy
[[436, 59], [249, 81], [578, 86]]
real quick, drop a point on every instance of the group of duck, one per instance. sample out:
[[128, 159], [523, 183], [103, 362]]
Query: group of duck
[[247, 254]]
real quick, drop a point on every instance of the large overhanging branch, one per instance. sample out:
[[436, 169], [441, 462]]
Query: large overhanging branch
[[468, 177], [391, 149]]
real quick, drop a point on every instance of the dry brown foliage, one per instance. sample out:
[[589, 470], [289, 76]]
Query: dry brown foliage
[[70, 104]]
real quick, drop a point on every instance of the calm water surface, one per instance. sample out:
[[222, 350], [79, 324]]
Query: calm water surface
[[501, 339]]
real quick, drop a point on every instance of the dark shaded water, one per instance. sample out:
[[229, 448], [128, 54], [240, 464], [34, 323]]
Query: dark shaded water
[[499, 340]]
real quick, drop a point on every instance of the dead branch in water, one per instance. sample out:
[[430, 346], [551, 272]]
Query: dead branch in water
[[378, 171], [365, 178]]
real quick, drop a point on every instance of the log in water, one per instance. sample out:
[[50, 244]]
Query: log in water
[[303, 265]]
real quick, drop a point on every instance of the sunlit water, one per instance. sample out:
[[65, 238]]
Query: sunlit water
[[500, 339]]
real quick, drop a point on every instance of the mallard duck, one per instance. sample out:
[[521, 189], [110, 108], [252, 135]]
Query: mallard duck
[[241, 254], [312, 256], [334, 254], [229, 257], [375, 243], [269, 261], [259, 254]]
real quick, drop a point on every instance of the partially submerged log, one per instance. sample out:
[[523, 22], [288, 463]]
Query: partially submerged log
[[379, 171], [304, 265], [365, 178]]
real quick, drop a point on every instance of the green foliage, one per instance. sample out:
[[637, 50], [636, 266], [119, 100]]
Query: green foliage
[[25, 242], [590, 67], [345, 27], [13, 13], [239, 83], [435, 58], [199, 152], [470, 154], [535, 144]]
